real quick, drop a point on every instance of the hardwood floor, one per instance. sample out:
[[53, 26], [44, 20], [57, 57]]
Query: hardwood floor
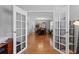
[[39, 45]]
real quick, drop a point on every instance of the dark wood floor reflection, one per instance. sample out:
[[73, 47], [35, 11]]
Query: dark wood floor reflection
[[39, 44]]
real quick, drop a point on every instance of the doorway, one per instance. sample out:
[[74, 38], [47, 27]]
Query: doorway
[[40, 33]]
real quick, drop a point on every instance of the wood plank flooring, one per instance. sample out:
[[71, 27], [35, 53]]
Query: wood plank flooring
[[39, 44]]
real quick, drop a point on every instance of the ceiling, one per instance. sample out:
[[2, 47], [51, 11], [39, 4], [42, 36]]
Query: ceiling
[[34, 8], [40, 11], [39, 7], [40, 15]]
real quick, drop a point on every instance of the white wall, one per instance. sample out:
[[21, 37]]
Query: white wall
[[30, 24], [6, 20], [74, 12], [51, 25]]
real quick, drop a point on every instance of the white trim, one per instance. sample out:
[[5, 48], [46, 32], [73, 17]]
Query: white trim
[[59, 18], [67, 35], [54, 29], [41, 11], [14, 30], [44, 19], [22, 12], [26, 29]]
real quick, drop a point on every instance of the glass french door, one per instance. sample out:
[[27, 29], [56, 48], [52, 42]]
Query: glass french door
[[19, 30], [61, 33]]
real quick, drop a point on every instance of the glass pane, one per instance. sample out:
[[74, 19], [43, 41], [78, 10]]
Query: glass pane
[[23, 45], [18, 48], [18, 40], [71, 31], [18, 16], [63, 40], [71, 40], [23, 31], [23, 18], [62, 48], [18, 32], [18, 24], [23, 38], [63, 24], [71, 49], [62, 31], [57, 38], [57, 32], [23, 25], [71, 25], [57, 24], [57, 45]]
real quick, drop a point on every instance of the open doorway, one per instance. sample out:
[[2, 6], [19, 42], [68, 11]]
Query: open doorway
[[40, 32]]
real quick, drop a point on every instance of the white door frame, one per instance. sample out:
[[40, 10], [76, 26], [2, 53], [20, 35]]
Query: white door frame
[[14, 29], [17, 9], [67, 31]]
